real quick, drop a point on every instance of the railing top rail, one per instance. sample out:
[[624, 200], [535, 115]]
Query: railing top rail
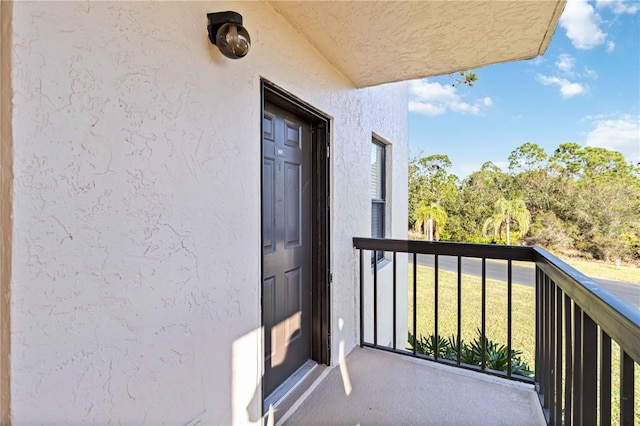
[[492, 251], [620, 320]]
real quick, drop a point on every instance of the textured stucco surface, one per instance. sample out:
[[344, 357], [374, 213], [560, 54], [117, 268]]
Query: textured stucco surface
[[136, 248], [385, 41]]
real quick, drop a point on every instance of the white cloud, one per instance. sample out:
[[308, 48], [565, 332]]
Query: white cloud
[[538, 60], [425, 109], [581, 23], [610, 46], [434, 99], [568, 89], [566, 63], [619, 7], [588, 72], [595, 117], [566, 68], [620, 134]]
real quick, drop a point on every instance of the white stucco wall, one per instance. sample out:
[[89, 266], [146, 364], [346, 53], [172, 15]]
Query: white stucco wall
[[136, 242]]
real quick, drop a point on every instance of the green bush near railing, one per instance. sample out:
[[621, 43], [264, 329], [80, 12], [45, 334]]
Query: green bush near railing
[[495, 356]]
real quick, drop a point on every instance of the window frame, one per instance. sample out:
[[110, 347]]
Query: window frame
[[378, 144]]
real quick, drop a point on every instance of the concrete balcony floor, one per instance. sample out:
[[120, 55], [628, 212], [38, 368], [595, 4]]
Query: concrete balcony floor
[[376, 387]]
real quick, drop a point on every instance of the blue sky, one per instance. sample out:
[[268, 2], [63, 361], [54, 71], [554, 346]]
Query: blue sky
[[584, 89]]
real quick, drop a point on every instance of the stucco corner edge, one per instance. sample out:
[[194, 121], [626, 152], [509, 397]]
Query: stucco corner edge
[[553, 24]]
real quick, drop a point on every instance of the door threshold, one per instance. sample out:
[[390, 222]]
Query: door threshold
[[278, 414], [288, 385]]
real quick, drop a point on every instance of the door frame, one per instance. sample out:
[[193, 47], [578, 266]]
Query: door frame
[[320, 123]]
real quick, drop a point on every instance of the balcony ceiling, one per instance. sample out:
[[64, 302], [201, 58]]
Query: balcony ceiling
[[380, 42]]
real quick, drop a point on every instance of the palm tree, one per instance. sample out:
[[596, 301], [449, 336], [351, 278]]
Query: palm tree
[[507, 211], [431, 216]]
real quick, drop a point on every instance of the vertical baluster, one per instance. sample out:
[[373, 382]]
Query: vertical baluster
[[568, 383], [605, 379], [415, 297], [509, 317], [361, 297], [552, 352], [577, 365], [375, 298], [589, 370], [435, 312], [484, 314], [558, 367], [546, 391], [626, 389], [394, 300], [538, 350], [459, 309]]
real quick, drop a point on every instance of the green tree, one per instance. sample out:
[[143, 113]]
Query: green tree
[[527, 157], [567, 159], [592, 162], [505, 212], [601, 200], [582, 201], [532, 177], [430, 182], [549, 231], [429, 218], [606, 213], [477, 193], [464, 77]]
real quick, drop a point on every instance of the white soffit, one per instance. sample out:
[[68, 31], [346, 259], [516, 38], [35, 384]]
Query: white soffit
[[380, 42]]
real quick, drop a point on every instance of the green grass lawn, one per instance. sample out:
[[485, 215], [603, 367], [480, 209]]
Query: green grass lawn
[[523, 299], [594, 269], [607, 271], [523, 320]]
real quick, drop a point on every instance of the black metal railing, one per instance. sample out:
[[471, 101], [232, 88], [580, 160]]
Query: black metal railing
[[576, 321]]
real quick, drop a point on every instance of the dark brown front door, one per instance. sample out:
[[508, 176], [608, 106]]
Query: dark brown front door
[[286, 241]]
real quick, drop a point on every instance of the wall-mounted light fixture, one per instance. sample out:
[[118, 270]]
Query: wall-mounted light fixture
[[226, 32]]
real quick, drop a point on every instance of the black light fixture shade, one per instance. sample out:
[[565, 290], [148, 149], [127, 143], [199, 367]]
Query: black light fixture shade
[[227, 33]]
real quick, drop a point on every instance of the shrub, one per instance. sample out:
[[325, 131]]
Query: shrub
[[471, 353]]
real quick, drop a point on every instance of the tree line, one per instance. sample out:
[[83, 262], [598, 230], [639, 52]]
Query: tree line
[[576, 201]]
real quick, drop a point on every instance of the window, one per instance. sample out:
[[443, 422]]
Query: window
[[378, 201]]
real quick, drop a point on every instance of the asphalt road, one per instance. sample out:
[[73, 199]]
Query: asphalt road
[[525, 275]]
